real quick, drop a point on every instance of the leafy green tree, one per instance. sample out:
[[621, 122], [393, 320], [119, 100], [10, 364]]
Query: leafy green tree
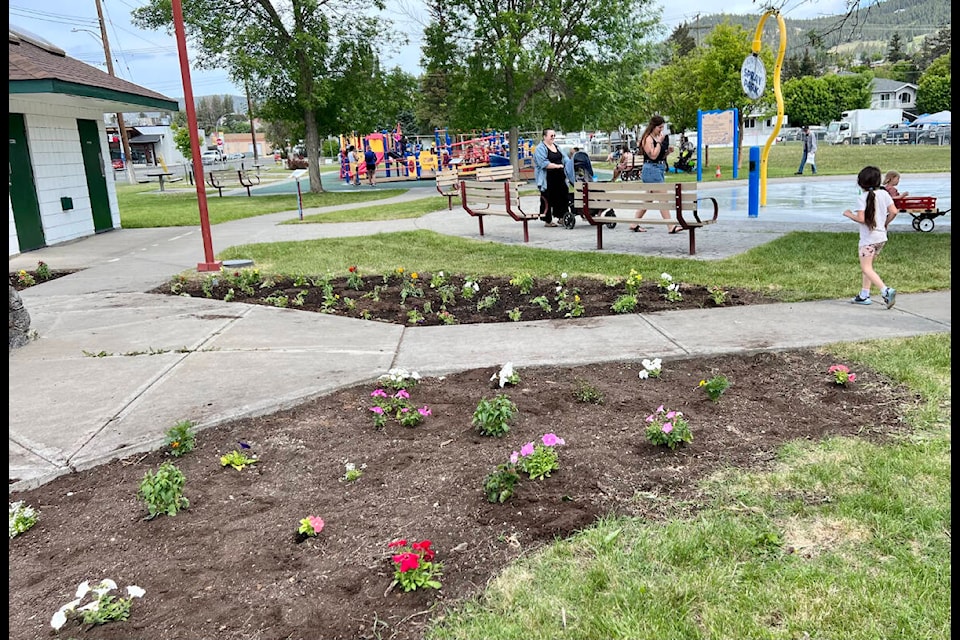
[[933, 88], [181, 139], [441, 55], [933, 47], [281, 49]]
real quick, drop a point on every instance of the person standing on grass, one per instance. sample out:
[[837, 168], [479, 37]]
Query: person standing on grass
[[809, 151], [655, 146], [370, 160], [552, 169], [872, 202]]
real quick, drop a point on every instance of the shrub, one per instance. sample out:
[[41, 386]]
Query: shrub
[[586, 392], [715, 386], [180, 438], [498, 486], [491, 416], [163, 492]]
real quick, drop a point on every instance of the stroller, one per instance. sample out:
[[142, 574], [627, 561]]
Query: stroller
[[570, 217], [685, 162]]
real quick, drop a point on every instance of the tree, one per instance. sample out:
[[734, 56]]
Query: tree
[[181, 139], [933, 89], [521, 54], [280, 49], [441, 56], [895, 49]]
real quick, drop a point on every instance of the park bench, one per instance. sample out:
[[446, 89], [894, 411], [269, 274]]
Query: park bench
[[488, 174], [448, 184], [481, 199], [232, 178], [605, 204]]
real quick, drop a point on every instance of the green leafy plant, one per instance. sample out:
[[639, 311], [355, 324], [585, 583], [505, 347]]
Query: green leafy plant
[[626, 303], [470, 289], [583, 391], [374, 294], [669, 289], [398, 378], [246, 280], [572, 305], [633, 283], [498, 485], [651, 368], [668, 428], [490, 300], [397, 406], [310, 526], [447, 293], [180, 438], [414, 566], [163, 491], [841, 374], [42, 270], [103, 608], [22, 518], [24, 279], [208, 283], [414, 316], [446, 317], [515, 314], [352, 472], [491, 416], [410, 288], [543, 302], [538, 460], [237, 459], [354, 279], [523, 282], [438, 280], [718, 294], [715, 386], [300, 280], [177, 283]]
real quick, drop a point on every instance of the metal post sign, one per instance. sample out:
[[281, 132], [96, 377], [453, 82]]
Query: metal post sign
[[753, 76]]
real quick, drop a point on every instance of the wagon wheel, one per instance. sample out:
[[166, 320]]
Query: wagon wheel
[[916, 224], [569, 220], [925, 224], [609, 214]]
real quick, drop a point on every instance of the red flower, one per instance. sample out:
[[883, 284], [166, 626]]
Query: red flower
[[424, 546], [407, 561], [352, 269], [397, 543]]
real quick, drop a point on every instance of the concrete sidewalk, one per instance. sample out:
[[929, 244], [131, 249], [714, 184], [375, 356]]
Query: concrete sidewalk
[[114, 367]]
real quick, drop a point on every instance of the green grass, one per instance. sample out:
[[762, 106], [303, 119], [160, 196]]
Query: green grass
[[876, 561], [797, 266], [407, 209]]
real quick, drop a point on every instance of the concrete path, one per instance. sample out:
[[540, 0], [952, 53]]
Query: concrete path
[[114, 367]]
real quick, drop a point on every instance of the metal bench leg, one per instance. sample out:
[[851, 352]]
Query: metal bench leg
[[526, 232], [480, 220], [599, 236], [693, 241]]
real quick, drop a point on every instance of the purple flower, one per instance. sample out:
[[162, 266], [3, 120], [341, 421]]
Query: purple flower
[[551, 439], [402, 394], [377, 410], [425, 411], [514, 457], [379, 393], [667, 427], [671, 414], [660, 409], [526, 449]]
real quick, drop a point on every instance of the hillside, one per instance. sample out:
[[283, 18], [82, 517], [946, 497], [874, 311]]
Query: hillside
[[866, 31]]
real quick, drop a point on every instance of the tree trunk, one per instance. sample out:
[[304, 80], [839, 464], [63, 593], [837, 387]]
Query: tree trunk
[[514, 141], [313, 151]]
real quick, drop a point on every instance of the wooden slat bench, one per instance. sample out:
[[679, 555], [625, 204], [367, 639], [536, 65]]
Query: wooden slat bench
[[488, 174], [448, 184], [481, 199], [229, 179], [609, 203]]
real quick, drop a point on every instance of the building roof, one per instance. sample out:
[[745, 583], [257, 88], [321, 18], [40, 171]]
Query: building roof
[[39, 67], [888, 85], [144, 139]]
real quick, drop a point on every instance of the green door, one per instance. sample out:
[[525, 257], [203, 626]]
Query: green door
[[23, 190], [96, 177]]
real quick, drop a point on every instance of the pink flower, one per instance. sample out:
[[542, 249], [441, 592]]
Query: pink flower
[[551, 439], [398, 543], [402, 394], [316, 522], [425, 411], [526, 449], [650, 418], [851, 377], [514, 457], [379, 393], [671, 414], [424, 546], [667, 427], [838, 367], [660, 409], [377, 410]]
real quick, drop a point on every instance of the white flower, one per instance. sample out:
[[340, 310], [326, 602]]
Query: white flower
[[135, 591], [505, 374], [644, 374], [563, 275], [559, 288], [350, 466], [666, 276], [476, 287], [441, 274]]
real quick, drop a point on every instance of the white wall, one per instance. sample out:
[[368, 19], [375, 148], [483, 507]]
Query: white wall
[[58, 172]]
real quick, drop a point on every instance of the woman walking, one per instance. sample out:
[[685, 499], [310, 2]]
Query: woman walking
[[552, 170], [655, 146]]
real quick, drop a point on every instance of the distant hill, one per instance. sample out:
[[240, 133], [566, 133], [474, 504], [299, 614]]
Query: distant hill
[[865, 32]]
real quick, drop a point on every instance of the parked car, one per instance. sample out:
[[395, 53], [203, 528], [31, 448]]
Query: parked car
[[118, 164], [235, 156], [211, 157]]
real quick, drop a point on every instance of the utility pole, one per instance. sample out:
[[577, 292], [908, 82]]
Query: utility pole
[[128, 164], [253, 130]]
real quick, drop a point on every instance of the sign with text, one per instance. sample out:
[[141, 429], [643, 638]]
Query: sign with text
[[717, 127]]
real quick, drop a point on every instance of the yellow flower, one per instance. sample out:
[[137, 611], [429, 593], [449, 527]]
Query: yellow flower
[[414, 276], [23, 272], [174, 444], [703, 382]]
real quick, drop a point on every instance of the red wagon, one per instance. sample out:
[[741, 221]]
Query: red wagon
[[922, 208]]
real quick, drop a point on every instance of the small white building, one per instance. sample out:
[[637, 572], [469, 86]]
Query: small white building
[[61, 182]]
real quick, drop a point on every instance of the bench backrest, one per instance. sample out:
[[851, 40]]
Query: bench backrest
[[503, 172], [491, 193], [636, 195], [448, 180]]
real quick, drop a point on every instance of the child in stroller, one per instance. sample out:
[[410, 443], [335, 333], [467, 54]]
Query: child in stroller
[[685, 162], [582, 167]]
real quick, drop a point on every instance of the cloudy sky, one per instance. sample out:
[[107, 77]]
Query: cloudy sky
[[149, 58]]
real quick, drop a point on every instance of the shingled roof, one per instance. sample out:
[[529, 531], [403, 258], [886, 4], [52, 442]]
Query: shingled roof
[[38, 67]]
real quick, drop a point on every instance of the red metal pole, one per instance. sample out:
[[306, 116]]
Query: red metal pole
[[209, 264]]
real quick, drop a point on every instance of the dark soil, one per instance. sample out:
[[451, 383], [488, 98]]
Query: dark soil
[[231, 567], [20, 283], [377, 299]]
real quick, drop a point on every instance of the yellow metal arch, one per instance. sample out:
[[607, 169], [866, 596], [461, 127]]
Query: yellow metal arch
[[755, 48]]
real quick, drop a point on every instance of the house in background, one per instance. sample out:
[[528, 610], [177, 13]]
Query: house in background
[[893, 94], [61, 183]]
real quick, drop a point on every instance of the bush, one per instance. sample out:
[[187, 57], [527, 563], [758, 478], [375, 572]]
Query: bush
[[491, 416], [163, 492]]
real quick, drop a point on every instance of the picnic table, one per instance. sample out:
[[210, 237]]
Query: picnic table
[[160, 176]]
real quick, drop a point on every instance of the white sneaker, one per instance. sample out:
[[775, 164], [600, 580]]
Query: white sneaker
[[889, 296]]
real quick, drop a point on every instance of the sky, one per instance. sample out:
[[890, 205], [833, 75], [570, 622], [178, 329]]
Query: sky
[[150, 58]]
